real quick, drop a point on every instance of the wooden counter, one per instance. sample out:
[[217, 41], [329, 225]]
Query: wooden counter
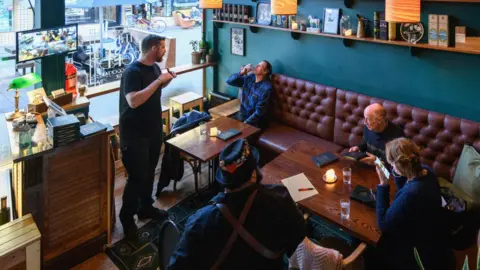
[[68, 192], [115, 86]]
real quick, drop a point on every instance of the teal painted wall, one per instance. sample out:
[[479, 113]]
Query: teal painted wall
[[440, 81]]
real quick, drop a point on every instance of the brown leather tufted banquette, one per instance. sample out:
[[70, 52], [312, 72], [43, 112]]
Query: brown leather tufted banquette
[[304, 110]]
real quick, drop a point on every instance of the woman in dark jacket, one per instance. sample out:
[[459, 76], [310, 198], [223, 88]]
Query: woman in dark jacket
[[414, 219]]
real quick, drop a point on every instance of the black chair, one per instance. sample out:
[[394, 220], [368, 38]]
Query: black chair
[[168, 239]]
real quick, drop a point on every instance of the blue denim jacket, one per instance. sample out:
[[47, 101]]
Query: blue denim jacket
[[255, 98], [274, 220]]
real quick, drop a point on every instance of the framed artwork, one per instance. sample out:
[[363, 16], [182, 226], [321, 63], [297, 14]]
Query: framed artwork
[[264, 15], [330, 20], [237, 41]]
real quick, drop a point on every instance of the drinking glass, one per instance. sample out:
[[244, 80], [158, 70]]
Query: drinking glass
[[203, 128], [347, 175], [345, 208]]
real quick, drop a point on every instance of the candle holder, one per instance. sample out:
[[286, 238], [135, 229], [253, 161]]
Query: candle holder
[[325, 179]]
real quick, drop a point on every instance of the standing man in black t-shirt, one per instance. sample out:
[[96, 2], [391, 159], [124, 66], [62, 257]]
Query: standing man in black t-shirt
[[141, 131]]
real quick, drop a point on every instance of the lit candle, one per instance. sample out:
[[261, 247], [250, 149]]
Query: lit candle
[[330, 176], [213, 131], [294, 26]]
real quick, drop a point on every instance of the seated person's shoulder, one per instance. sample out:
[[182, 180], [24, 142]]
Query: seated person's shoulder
[[203, 217], [277, 192]]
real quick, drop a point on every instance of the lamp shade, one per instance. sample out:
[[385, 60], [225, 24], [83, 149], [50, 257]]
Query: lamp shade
[[284, 7], [25, 81], [210, 4], [403, 11]]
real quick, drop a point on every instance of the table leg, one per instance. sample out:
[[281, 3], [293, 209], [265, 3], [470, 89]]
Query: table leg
[[195, 173], [167, 123], [201, 105], [180, 111]]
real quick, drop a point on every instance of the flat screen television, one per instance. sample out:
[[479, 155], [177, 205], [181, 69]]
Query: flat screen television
[[38, 43]]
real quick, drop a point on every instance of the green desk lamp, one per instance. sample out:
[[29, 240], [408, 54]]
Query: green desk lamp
[[19, 83]]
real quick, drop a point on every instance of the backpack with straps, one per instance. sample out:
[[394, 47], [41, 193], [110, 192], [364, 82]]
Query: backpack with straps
[[238, 229]]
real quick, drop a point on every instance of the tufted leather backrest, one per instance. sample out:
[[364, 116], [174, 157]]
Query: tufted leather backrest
[[440, 136], [307, 106]]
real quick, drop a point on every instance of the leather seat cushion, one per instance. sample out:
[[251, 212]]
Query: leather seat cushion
[[305, 105], [279, 137], [440, 136]]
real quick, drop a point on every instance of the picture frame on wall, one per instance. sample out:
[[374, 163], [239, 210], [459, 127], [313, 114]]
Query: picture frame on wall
[[237, 41], [330, 20], [264, 15]]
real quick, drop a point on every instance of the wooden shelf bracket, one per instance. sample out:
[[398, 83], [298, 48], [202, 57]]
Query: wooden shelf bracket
[[295, 35], [348, 3], [347, 42], [414, 51], [253, 29]]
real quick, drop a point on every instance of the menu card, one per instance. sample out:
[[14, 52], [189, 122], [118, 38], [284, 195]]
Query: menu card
[[299, 182]]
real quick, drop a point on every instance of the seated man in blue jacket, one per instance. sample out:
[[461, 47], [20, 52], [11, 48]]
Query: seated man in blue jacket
[[266, 212], [256, 93]]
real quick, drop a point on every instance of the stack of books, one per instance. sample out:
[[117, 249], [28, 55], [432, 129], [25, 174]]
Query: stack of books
[[63, 130]]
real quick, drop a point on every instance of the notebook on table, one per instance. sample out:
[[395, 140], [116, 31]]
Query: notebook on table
[[324, 159], [229, 133]]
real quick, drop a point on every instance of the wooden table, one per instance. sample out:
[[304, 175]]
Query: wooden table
[[326, 204], [20, 244], [203, 148], [185, 102], [226, 109]]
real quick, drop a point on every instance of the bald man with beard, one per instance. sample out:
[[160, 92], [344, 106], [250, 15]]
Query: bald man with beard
[[377, 132]]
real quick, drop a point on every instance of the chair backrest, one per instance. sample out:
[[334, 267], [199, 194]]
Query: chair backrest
[[168, 239]]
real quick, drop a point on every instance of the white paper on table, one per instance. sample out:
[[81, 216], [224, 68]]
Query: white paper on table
[[296, 182]]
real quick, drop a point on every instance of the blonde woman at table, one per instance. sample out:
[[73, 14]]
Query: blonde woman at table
[[414, 218]]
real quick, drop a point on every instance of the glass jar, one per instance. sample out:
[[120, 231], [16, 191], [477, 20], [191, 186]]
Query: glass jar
[[82, 78], [345, 26]]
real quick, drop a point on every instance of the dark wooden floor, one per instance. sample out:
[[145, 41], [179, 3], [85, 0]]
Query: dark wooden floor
[[166, 200]]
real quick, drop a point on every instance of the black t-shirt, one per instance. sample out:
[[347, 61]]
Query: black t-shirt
[[145, 121]]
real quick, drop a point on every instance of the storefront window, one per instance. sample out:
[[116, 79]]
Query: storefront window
[[15, 15], [6, 8], [105, 59]]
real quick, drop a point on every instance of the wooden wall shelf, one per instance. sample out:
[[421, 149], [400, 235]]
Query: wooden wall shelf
[[472, 47], [453, 1]]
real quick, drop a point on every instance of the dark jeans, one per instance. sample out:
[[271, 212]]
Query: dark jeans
[[140, 157]]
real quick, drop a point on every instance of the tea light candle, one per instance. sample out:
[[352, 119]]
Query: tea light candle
[[213, 131], [330, 176]]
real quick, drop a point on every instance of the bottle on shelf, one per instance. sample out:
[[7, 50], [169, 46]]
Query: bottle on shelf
[[246, 13], [235, 13], [376, 25], [224, 11], [230, 12]]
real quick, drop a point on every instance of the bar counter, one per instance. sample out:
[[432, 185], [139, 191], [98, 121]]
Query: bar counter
[[68, 191]]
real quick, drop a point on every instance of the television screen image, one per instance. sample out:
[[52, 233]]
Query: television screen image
[[39, 43]]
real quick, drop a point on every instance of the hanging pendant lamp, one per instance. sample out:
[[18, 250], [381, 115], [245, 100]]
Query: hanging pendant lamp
[[284, 7], [403, 11], [205, 4]]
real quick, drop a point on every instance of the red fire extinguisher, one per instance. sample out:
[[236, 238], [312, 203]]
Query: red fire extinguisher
[[71, 79]]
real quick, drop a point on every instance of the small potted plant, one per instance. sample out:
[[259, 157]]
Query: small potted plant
[[196, 55], [210, 56], [203, 49]]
